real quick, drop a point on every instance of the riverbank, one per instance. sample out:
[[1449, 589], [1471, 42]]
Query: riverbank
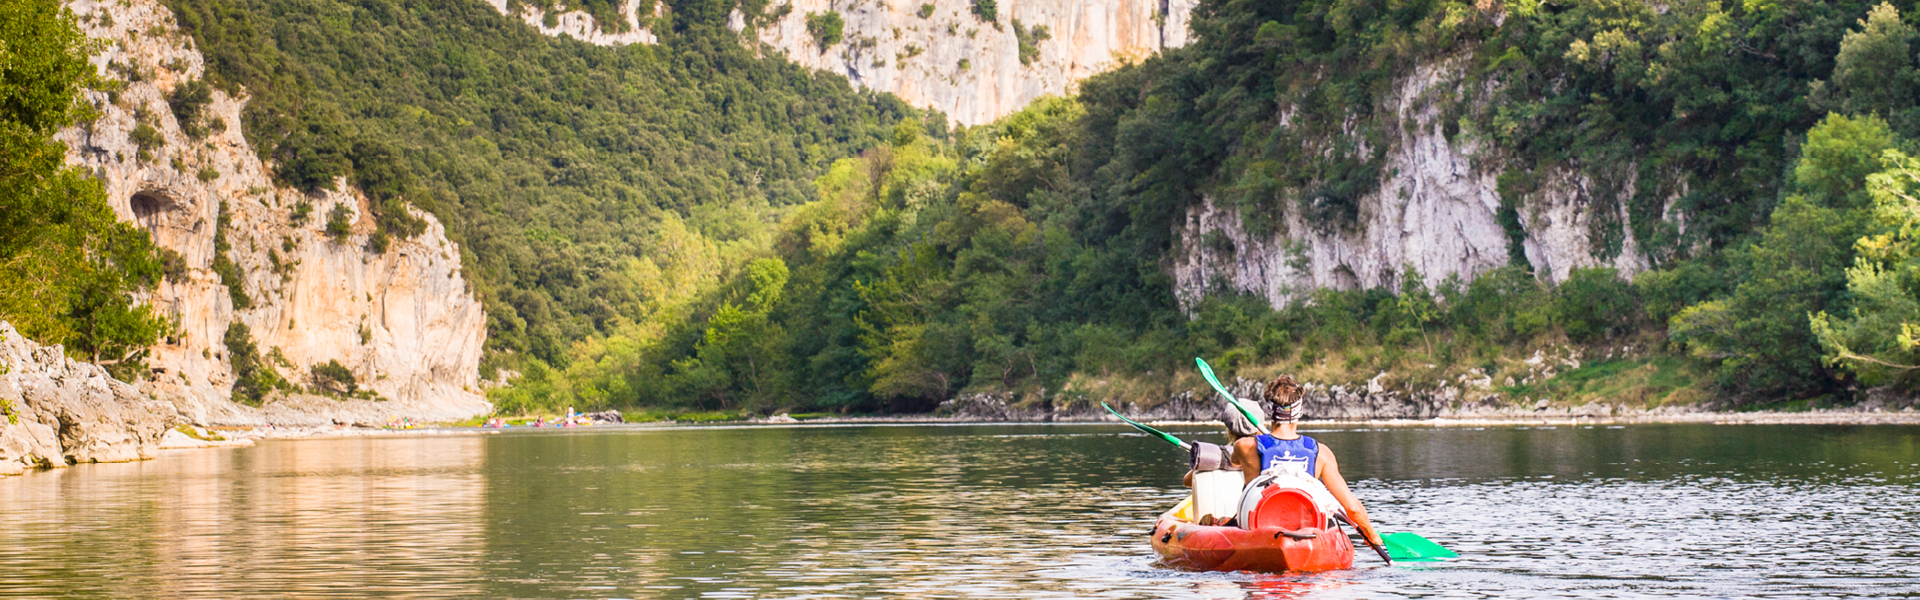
[[1906, 416]]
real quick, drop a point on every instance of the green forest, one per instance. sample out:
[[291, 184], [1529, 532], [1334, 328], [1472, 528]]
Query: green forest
[[698, 226]]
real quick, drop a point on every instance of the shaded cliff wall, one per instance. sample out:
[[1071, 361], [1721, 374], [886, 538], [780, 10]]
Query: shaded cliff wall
[[403, 319]]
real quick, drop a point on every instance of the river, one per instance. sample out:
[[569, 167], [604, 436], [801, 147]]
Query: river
[[975, 511]]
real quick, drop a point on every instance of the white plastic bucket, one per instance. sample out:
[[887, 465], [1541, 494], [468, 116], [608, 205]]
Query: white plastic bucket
[[1216, 493]]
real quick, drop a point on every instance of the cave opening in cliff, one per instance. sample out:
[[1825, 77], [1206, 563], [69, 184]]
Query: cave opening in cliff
[[149, 207]]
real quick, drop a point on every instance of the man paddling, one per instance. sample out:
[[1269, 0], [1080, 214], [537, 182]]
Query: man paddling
[[1285, 450]]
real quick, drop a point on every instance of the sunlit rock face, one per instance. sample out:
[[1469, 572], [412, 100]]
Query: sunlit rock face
[[403, 320], [950, 60], [1435, 209], [969, 68]]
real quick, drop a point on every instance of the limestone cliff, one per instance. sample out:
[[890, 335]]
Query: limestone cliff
[[403, 319], [55, 411], [938, 54], [935, 54], [1435, 208]]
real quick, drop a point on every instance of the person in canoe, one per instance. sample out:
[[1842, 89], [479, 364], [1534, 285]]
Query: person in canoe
[[1283, 452]]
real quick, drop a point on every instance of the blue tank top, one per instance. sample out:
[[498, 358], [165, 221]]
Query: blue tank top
[[1302, 452]]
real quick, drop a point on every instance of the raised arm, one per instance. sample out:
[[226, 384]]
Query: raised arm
[[1330, 475]]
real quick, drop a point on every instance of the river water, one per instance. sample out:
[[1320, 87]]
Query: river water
[[977, 511]]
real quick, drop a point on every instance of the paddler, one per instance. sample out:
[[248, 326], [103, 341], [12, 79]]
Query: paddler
[[1284, 450]]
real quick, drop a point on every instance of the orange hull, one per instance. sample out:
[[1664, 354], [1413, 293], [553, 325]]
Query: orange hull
[[1288, 539]]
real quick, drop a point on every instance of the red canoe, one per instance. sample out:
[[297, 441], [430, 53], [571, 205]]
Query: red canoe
[[1286, 532]]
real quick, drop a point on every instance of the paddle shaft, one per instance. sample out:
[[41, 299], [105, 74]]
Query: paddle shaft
[[1168, 437], [1377, 549]]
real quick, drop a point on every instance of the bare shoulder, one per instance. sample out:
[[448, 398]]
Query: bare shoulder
[[1245, 442]]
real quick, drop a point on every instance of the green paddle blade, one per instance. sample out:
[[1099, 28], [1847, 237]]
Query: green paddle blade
[[1207, 372], [1411, 547], [1149, 430]]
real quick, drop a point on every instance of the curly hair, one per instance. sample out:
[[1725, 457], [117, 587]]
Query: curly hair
[[1283, 396]]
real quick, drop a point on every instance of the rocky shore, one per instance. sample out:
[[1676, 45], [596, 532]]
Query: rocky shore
[[56, 412], [1445, 406], [60, 412]]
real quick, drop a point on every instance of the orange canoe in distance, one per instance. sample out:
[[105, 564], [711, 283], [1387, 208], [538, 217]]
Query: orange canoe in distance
[[1286, 533]]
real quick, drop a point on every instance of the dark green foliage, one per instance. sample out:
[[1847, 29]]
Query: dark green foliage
[[253, 378], [1759, 334], [189, 103], [549, 161], [68, 268], [926, 10], [146, 139], [1029, 39], [1594, 304], [223, 265], [333, 378], [986, 10], [302, 210], [825, 28], [339, 223]]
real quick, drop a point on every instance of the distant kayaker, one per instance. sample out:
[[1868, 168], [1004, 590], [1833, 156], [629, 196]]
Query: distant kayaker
[[1284, 450]]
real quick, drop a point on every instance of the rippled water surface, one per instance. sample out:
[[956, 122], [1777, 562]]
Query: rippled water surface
[[985, 511]]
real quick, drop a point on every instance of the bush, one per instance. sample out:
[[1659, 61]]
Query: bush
[[146, 139], [339, 223], [223, 265], [926, 10], [334, 378], [253, 379], [825, 28], [1594, 303], [1029, 39], [189, 102], [986, 10]]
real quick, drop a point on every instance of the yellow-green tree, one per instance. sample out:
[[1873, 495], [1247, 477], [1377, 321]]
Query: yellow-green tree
[[1880, 338]]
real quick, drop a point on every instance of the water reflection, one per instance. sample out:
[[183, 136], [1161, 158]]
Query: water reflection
[[301, 518], [963, 511]]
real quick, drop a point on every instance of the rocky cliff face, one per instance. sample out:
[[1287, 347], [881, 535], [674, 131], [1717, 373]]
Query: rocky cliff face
[[56, 412], [938, 54], [403, 320], [1435, 209]]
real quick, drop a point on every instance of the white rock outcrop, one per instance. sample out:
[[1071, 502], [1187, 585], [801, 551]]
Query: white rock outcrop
[[403, 320], [969, 68], [56, 411], [1434, 209], [949, 60]]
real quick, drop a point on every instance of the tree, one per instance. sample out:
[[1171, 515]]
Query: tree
[[68, 267], [1874, 74], [1879, 338], [1759, 335]]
